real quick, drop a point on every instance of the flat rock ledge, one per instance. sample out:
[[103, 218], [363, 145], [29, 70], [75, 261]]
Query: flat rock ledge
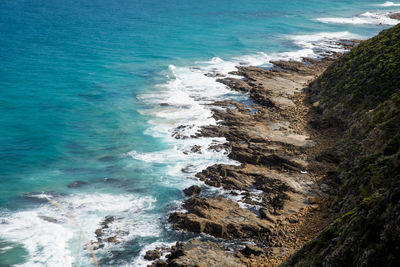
[[220, 217]]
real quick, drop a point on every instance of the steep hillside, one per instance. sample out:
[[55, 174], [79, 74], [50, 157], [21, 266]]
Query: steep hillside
[[360, 94]]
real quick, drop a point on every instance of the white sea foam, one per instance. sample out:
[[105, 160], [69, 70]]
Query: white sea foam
[[323, 42], [388, 4], [179, 108], [181, 100], [51, 236], [364, 18], [181, 162]]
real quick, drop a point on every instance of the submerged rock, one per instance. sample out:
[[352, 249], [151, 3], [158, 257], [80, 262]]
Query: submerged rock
[[48, 219], [77, 184], [104, 235], [159, 263], [196, 149]]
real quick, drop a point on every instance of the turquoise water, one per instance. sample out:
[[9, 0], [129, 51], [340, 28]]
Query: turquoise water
[[94, 89]]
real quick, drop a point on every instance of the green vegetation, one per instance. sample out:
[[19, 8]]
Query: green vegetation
[[363, 78], [362, 90]]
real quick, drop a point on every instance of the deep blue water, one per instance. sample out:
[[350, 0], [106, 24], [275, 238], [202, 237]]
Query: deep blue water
[[81, 83]]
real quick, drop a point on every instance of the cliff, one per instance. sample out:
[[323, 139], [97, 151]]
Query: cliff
[[359, 94]]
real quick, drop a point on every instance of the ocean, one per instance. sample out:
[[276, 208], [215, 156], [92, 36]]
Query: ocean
[[108, 93]]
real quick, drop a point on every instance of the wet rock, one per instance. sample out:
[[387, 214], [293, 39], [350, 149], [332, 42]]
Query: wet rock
[[188, 169], [214, 74], [159, 263], [252, 250], [112, 239], [48, 219], [394, 16], [153, 254], [196, 149], [77, 184], [217, 147], [194, 190], [182, 131], [107, 221], [236, 84], [101, 231]]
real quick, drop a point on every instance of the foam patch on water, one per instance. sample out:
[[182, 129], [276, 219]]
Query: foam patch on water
[[323, 42], [388, 4], [364, 18], [181, 101], [50, 235], [182, 163]]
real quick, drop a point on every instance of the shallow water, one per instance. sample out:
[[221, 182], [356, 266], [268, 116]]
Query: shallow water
[[94, 89]]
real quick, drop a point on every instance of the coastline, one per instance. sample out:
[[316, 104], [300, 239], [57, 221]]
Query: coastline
[[283, 182], [223, 151]]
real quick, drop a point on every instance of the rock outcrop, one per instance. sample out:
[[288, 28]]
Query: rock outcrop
[[201, 254], [194, 190], [220, 217]]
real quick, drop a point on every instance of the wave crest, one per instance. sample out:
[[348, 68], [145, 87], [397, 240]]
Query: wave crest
[[364, 18]]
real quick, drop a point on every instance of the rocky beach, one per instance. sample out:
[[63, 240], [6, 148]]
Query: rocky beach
[[285, 181], [293, 146]]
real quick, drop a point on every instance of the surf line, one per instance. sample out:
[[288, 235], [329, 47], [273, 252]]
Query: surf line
[[81, 232]]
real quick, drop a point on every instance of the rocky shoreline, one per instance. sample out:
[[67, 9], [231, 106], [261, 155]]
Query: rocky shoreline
[[284, 182]]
